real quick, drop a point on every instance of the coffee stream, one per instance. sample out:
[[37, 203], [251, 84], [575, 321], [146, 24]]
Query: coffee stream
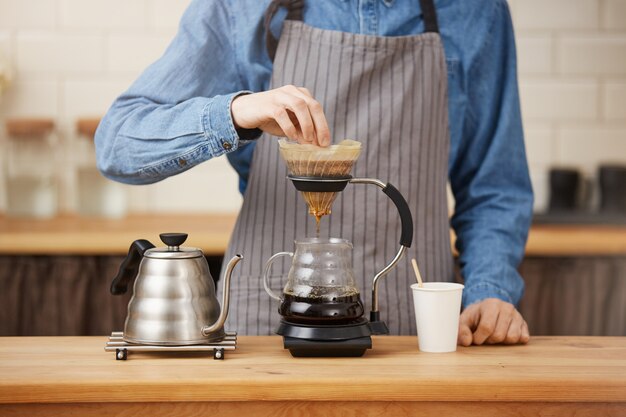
[[318, 220]]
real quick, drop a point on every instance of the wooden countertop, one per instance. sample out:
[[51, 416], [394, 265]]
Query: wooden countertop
[[79, 235], [547, 370]]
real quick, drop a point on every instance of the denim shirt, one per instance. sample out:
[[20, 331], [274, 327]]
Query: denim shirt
[[177, 114]]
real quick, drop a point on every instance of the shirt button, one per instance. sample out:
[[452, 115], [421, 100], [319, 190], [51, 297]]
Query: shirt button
[[182, 162], [227, 146]]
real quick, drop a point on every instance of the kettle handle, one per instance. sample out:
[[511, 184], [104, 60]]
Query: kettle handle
[[130, 266], [266, 273]]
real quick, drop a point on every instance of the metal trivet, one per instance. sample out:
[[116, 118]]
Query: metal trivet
[[117, 344]]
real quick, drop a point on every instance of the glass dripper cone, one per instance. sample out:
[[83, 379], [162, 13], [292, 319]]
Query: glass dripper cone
[[307, 160]]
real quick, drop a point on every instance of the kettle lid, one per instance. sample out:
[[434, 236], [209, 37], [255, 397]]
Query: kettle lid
[[173, 250]]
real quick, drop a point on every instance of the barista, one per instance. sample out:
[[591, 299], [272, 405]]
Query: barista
[[430, 88]]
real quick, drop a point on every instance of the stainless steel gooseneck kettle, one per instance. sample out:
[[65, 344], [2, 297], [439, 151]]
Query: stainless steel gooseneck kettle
[[174, 300]]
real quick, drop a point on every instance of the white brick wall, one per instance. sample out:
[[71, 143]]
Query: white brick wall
[[608, 144], [535, 53], [162, 11], [28, 14], [72, 57], [559, 100], [133, 53], [614, 15], [592, 55], [556, 14], [103, 14], [48, 53], [86, 96], [33, 95], [572, 72], [615, 100]]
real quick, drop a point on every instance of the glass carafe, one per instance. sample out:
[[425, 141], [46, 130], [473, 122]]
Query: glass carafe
[[31, 166], [320, 287]]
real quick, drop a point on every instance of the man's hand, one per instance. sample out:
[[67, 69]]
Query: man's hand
[[492, 321], [286, 111]]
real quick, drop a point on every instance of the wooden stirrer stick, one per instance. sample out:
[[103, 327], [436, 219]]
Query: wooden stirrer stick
[[420, 283]]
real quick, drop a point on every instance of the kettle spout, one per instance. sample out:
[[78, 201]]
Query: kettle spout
[[219, 323]]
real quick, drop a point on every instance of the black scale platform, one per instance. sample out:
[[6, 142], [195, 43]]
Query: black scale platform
[[347, 340]]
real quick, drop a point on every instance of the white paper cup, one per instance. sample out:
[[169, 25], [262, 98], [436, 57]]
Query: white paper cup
[[437, 311]]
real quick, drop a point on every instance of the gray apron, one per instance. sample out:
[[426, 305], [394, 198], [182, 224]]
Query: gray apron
[[390, 93]]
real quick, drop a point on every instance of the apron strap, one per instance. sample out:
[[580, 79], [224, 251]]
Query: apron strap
[[294, 12], [430, 16]]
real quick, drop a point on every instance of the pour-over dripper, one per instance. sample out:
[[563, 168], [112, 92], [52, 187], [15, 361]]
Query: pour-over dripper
[[305, 160]]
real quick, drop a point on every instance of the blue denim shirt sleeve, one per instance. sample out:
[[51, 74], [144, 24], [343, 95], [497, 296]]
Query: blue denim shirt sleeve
[[489, 175], [177, 113]]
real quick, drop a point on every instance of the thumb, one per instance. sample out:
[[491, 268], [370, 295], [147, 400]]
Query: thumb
[[465, 335]]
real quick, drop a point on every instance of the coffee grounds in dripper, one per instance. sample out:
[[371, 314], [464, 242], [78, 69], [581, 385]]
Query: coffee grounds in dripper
[[307, 160]]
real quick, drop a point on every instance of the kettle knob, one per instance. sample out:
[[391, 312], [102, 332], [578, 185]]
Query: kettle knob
[[173, 239]]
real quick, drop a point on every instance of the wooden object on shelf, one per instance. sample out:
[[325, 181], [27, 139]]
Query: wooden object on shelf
[[550, 375], [29, 127], [87, 126]]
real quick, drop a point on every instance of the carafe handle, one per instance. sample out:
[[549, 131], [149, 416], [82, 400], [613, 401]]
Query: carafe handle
[[266, 274]]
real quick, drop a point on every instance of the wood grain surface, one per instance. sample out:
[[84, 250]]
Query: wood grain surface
[[74, 235], [548, 369], [325, 409], [94, 236], [576, 240]]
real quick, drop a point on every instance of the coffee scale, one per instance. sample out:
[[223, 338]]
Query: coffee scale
[[322, 314]]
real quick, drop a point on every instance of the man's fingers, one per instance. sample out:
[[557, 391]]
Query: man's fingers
[[486, 323], [467, 322], [518, 332], [515, 330], [321, 124], [285, 123], [465, 335], [525, 333], [296, 124], [267, 110], [502, 325], [322, 131], [294, 99], [298, 106], [493, 321], [305, 91]]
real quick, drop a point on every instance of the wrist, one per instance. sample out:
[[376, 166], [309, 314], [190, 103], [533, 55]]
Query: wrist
[[481, 291], [237, 107]]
